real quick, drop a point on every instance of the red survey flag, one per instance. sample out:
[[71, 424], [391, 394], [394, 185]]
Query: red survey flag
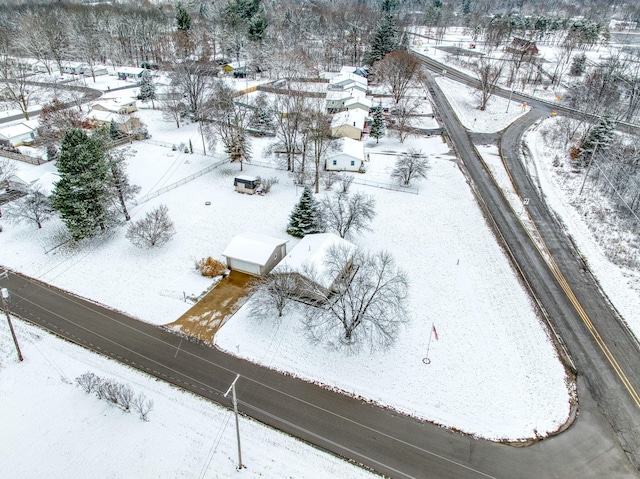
[[435, 333]]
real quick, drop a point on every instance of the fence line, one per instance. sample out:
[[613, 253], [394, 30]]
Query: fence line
[[176, 146], [24, 158], [181, 182], [358, 181]]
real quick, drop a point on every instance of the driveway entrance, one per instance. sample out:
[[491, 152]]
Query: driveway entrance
[[204, 319]]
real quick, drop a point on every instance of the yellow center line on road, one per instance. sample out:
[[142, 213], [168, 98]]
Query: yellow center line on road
[[555, 270]]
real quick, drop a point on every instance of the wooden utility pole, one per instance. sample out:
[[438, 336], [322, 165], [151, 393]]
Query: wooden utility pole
[[5, 295]]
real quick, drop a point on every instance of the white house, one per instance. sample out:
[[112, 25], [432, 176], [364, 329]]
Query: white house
[[75, 68], [120, 105], [130, 73], [349, 124], [308, 259], [348, 80], [17, 135], [254, 253], [348, 156], [125, 123], [361, 102], [336, 100]]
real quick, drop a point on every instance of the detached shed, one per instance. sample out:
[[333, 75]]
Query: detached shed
[[254, 253], [246, 184], [17, 135]]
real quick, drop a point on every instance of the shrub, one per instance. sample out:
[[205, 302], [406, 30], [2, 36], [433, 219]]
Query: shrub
[[211, 268]]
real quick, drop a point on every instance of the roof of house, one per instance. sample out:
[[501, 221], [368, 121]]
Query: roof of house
[[254, 248], [348, 146], [346, 69], [13, 131], [309, 256], [348, 78], [107, 116], [355, 118], [130, 70], [46, 183], [360, 100]]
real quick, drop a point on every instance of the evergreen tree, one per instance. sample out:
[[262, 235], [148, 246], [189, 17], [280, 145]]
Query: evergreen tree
[[183, 19], [377, 124], [147, 88], [389, 5], [597, 139], [578, 65], [114, 131], [385, 40], [81, 195], [262, 117], [306, 218]]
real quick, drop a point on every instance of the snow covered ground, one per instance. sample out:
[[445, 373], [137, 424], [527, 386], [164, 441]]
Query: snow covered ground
[[493, 372], [51, 428]]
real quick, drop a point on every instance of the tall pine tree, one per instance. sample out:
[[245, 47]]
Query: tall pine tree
[[183, 19], [81, 195], [385, 40], [598, 138], [147, 88], [377, 124], [306, 218]]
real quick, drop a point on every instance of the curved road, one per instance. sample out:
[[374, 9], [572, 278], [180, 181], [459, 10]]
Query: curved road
[[392, 444], [598, 341]]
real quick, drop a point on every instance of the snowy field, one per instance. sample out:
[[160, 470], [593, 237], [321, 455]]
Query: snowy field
[[493, 372], [51, 428]]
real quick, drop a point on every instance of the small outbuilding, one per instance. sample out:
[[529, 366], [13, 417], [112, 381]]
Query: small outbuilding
[[255, 253], [130, 73], [246, 184]]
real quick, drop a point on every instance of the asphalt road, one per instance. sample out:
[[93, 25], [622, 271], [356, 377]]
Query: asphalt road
[[604, 351], [391, 444]]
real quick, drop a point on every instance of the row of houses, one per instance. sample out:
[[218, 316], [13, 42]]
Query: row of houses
[[346, 99]]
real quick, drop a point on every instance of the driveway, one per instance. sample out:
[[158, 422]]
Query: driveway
[[204, 319]]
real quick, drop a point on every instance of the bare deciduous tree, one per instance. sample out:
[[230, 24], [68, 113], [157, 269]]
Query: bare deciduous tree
[[367, 306], [489, 72], [33, 208], [397, 71], [347, 214], [401, 116], [273, 293], [155, 229], [409, 166], [142, 406], [7, 169]]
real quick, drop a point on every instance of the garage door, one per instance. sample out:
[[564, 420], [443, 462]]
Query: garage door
[[245, 266]]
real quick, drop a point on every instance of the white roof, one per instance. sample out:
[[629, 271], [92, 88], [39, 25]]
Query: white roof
[[107, 116], [348, 78], [347, 69], [348, 146], [254, 248], [115, 102], [14, 131], [72, 64], [130, 70], [246, 178], [360, 100], [355, 118], [309, 255]]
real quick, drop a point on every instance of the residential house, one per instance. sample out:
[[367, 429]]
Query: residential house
[[125, 123], [308, 262], [75, 68], [346, 81], [122, 106], [17, 135], [522, 47], [255, 253], [347, 156], [361, 102], [349, 124], [130, 73]]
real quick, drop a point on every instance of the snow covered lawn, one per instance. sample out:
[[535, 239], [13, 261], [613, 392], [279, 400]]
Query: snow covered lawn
[[51, 428], [493, 371]]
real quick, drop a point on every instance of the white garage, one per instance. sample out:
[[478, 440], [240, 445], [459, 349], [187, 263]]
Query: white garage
[[254, 253]]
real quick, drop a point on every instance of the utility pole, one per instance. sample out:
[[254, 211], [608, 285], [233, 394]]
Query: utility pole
[[234, 401], [5, 296], [586, 173]]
